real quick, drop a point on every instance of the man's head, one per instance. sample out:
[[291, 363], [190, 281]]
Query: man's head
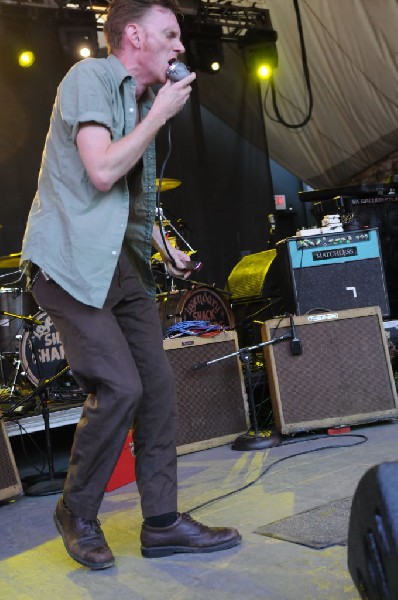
[[145, 35], [122, 12]]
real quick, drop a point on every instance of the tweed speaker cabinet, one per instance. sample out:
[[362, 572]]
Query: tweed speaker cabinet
[[342, 377], [211, 401], [10, 483]]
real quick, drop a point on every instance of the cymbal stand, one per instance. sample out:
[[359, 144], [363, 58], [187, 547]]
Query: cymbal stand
[[17, 363], [248, 441], [176, 231]]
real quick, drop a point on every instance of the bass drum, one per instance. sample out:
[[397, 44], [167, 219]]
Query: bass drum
[[50, 352], [17, 302], [200, 304]]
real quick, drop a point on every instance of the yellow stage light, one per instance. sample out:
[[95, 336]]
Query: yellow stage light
[[260, 52], [264, 71], [26, 58]]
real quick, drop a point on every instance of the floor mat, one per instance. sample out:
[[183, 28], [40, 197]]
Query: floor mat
[[320, 527]]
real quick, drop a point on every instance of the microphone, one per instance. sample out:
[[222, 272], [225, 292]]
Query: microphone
[[295, 344], [199, 366], [177, 71]]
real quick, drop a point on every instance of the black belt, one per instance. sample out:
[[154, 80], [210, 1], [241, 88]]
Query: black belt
[[34, 274]]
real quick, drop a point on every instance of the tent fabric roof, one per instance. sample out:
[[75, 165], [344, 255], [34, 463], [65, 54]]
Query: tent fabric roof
[[352, 51]]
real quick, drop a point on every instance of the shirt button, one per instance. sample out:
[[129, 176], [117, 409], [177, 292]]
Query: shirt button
[[114, 252], [131, 109]]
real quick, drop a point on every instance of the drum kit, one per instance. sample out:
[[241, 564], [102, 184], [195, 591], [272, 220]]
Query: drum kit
[[201, 302], [30, 349]]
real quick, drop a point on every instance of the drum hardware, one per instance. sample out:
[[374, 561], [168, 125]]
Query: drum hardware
[[199, 303], [173, 240], [17, 366], [15, 303], [52, 482], [15, 355]]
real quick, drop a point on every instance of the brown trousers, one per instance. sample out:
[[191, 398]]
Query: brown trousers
[[116, 355]]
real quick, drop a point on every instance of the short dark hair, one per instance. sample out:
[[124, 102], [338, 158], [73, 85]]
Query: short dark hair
[[122, 12]]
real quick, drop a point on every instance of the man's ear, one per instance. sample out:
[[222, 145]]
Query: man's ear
[[133, 33]]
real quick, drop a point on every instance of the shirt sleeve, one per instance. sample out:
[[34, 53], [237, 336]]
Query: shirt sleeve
[[85, 96]]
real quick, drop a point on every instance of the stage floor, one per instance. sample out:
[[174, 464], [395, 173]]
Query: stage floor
[[304, 472]]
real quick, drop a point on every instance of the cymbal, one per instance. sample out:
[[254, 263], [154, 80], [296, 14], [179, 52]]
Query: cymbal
[[167, 184], [10, 261]]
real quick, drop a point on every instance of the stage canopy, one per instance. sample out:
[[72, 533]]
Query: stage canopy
[[352, 49]]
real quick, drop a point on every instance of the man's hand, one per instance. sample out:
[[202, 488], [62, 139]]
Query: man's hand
[[171, 98], [170, 254], [179, 258]]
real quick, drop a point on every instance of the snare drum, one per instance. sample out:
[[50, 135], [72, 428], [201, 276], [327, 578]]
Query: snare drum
[[48, 346], [18, 302], [199, 304]]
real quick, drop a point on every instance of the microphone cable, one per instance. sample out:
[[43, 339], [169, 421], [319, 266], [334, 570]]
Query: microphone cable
[[159, 211]]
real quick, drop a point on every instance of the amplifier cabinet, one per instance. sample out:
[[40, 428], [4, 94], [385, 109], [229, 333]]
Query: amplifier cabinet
[[10, 483], [342, 377], [334, 271], [211, 401]]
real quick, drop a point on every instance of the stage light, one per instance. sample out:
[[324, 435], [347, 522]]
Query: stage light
[[264, 71], [204, 47], [215, 66], [79, 40], [84, 51], [26, 58], [259, 52]]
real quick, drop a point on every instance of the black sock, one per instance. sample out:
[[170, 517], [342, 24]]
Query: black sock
[[161, 520]]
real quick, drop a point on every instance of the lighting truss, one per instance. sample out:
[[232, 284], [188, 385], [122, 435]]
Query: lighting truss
[[235, 19]]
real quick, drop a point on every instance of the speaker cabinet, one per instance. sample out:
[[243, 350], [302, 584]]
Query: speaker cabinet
[[343, 376], [10, 483], [211, 400], [335, 271], [373, 533]]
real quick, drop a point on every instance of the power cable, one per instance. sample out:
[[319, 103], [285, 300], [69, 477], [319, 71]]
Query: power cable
[[362, 440], [279, 118]]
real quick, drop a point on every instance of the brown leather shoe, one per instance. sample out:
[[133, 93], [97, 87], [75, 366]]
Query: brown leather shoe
[[186, 535], [83, 539]]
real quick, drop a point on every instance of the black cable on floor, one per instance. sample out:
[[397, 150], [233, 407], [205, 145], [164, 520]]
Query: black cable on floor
[[361, 437]]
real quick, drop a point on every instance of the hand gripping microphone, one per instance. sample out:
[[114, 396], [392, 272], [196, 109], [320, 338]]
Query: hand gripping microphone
[[295, 344], [177, 71]]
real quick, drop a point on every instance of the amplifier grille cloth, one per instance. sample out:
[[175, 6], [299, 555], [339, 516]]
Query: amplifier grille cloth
[[10, 484], [209, 400], [342, 371]]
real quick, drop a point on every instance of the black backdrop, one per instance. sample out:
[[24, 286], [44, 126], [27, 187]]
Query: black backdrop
[[225, 195]]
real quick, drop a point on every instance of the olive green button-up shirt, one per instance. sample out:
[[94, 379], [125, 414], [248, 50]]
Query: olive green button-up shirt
[[74, 231]]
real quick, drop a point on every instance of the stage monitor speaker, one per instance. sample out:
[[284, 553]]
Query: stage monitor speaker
[[211, 401], [334, 271], [10, 482], [342, 377], [373, 533]]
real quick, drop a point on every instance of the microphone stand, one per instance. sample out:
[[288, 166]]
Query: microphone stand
[[248, 440]]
